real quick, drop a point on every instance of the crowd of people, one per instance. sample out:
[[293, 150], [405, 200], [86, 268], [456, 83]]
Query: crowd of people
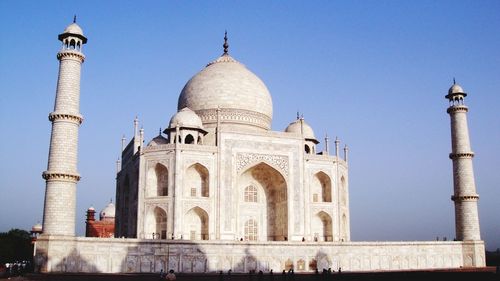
[[285, 275], [17, 268]]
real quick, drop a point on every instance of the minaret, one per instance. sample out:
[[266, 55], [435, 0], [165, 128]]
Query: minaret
[[464, 188], [62, 175]]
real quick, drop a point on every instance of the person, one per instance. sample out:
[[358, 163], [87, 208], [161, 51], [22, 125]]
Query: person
[[261, 275], [271, 275], [171, 275], [162, 274]]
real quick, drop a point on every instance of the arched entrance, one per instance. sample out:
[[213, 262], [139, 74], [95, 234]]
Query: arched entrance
[[156, 224], [270, 213], [322, 227], [196, 224]]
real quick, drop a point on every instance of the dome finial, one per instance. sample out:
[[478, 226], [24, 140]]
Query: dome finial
[[226, 45], [454, 81], [74, 18]]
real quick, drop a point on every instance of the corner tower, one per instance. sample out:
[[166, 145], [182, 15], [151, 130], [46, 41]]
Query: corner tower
[[464, 188], [62, 175]]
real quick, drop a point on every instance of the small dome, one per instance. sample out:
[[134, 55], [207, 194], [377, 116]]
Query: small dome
[[186, 118], [74, 29], [455, 90], [228, 85], [37, 228], [91, 209], [108, 212], [300, 127], [158, 140]]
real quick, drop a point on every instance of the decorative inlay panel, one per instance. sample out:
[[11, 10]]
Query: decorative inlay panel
[[243, 160], [232, 115]]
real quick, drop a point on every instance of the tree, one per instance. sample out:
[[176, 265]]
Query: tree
[[15, 245]]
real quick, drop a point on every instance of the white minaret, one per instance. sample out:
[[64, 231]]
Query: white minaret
[[464, 188], [62, 175]]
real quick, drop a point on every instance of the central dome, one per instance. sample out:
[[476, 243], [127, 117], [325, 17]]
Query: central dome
[[241, 96]]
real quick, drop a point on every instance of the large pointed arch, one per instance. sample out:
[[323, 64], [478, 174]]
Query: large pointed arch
[[196, 224], [197, 181], [270, 214]]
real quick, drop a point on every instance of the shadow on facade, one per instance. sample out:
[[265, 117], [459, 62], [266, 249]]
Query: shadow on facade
[[72, 262], [155, 257], [249, 263]]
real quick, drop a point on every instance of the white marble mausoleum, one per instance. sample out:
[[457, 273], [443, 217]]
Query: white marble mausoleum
[[218, 189]]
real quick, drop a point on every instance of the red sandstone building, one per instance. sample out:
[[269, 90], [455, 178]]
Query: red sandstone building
[[105, 226]]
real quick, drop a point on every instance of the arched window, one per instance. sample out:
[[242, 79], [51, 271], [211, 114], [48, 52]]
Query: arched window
[[344, 227], [161, 180], [321, 187], [196, 224], [197, 181], [343, 191], [251, 230], [307, 149], [250, 194], [72, 44], [189, 139]]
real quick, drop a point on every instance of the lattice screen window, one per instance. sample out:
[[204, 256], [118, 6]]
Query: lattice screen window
[[251, 230], [250, 194]]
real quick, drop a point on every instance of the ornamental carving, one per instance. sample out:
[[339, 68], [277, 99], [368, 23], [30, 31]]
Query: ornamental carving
[[70, 55], [243, 160], [48, 176], [232, 115], [465, 198], [65, 116], [461, 155], [457, 108]]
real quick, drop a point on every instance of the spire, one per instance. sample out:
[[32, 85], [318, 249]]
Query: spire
[[298, 115], [136, 126], [159, 132], [74, 18], [337, 144], [226, 45], [454, 81], [327, 149]]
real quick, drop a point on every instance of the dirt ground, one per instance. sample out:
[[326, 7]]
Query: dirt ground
[[487, 274]]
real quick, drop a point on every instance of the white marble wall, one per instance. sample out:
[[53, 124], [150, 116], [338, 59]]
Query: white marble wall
[[111, 255]]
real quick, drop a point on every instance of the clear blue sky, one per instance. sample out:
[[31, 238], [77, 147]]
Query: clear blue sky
[[373, 73]]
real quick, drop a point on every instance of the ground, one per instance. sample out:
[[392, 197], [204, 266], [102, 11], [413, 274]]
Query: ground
[[487, 273]]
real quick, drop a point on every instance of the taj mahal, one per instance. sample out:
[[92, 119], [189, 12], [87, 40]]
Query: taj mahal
[[217, 189]]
